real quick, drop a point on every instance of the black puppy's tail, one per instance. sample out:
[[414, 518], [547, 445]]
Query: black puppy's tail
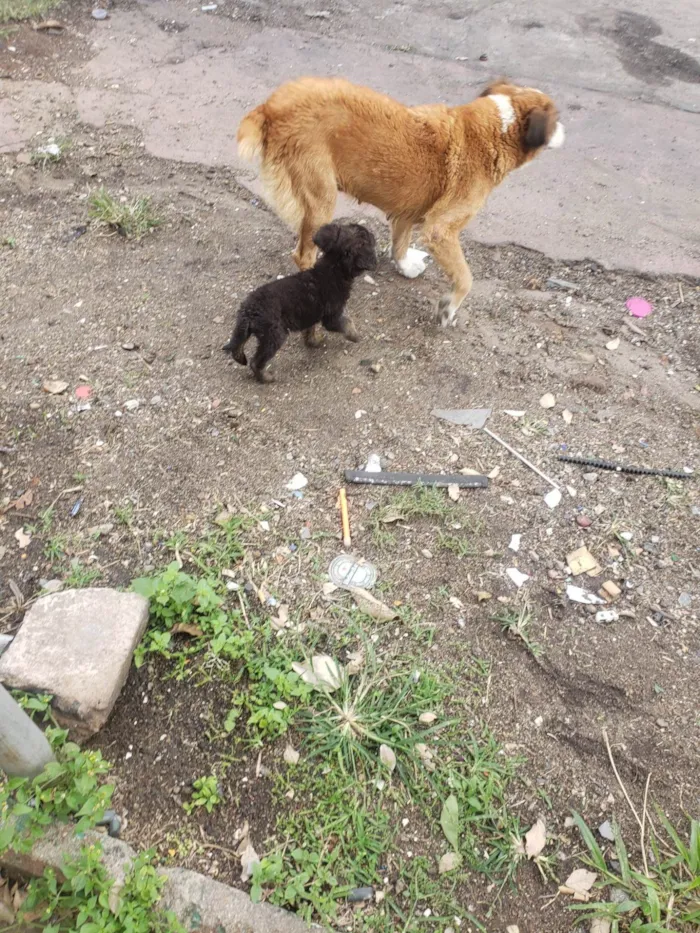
[[236, 343]]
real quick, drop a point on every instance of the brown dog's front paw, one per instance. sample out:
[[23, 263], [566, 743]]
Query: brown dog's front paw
[[313, 337]]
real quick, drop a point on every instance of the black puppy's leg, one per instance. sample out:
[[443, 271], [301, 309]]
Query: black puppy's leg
[[343, 325], [268, 345]]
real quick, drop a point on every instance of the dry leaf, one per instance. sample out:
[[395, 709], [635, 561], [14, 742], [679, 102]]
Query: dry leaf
[[185, 628], [22, 538], [449, 861], [54, 386], [483, 595], [548, 400], [387, 757], [249, 859], [453, 492], [391, 514], [613, 344], [535, 839], [579, 882], [600, 925], [324, 673], [23, 501], [427, 718], [291, 755], [456, 602], [372, 606], [494, 473], [356, 661]]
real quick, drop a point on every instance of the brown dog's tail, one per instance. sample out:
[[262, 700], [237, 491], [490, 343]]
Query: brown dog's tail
[[251, 135], [236, 343]]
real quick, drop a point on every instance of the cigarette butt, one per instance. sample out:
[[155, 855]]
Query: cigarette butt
[[344, 518]]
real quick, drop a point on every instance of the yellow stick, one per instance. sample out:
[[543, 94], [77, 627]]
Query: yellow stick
[[344, 518]]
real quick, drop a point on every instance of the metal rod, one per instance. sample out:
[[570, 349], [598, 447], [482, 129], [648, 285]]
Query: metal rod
[[620, 468], [520, 457], [412, 479]]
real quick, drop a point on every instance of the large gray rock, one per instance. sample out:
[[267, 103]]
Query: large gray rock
[[207, 906], [78, 646], [200, 904]]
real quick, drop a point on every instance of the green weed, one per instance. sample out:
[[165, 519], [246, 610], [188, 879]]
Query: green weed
[[16, 10], [81, 576], [133, 219], [517, 622], [205, 793], [659, 897]]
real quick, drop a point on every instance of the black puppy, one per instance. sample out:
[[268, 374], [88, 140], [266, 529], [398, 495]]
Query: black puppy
[[298, 302]]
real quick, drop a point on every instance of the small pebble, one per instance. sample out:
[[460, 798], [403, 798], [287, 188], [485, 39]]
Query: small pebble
[[606, 831], [583, 521], [360, 894], [376, 367], [662, 724], [305, 533], [590, 477], [685, 600], [99, 14]]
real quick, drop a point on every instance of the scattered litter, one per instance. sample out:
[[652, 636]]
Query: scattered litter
[[685, 600], [562, 284], [249, 859], [359, 413], [357, 895], [298, 481], [346, 571], [99, 13], [513, 414], [567, 416], [620, 468], [344, 518], [320, 14], [209, 7], [83, 392], [456, 602], [448, 862], [324, 673], [548, 400], [582, 561], [129, 346], [606, 831], [553, 498], [265, 525], [132, 404], [373, 464], [517, 577], [610, 590], [483, 596], [515, 542], [607, 615], [493, 474], [578, 595], [626, 535], [476, 418], [411, 479], [356, 661], [583, 521], [613, 344], [453, 492], [427, 719], [371, 606], [76, 507], [54, 386], [387, 757], [291, 755], [639, 307], [535, 839], [368, 279], [579, 883]]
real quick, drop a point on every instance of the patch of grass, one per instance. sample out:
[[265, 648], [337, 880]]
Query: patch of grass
[[533, 427], [133, 219], [659, 897], [124, 513], [55, 548], [16, 10], [9, 241], [50, 152], [81, 576], [459, 546], [410, 504], [373, 708], [517, 622]]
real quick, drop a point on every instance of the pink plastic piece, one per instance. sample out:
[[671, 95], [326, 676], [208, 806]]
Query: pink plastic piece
[[639, 307], [83, 392]]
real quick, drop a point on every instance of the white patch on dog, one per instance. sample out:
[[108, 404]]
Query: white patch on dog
[[412, 264], [558, 137], [505, 110]]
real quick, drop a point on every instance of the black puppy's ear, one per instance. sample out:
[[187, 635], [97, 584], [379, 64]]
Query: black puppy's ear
[[537, 128], [326, 237]]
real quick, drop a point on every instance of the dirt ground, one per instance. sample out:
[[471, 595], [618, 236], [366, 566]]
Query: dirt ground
[[144, 322]]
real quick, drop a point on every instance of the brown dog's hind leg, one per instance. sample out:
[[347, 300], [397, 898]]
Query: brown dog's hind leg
[[318, 199], [443, 243]]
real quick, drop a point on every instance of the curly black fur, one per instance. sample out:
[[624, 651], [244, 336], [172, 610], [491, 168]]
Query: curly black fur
[[298, 302]]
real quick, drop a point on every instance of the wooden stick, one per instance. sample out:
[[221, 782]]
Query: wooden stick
[[344, 518]]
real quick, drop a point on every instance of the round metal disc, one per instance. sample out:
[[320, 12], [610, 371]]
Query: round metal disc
[[344, 571]]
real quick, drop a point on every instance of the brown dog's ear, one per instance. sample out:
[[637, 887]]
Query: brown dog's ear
[[326, 237], [538, 128]]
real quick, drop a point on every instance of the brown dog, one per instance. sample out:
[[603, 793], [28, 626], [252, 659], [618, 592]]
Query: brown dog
[[431, 165]]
